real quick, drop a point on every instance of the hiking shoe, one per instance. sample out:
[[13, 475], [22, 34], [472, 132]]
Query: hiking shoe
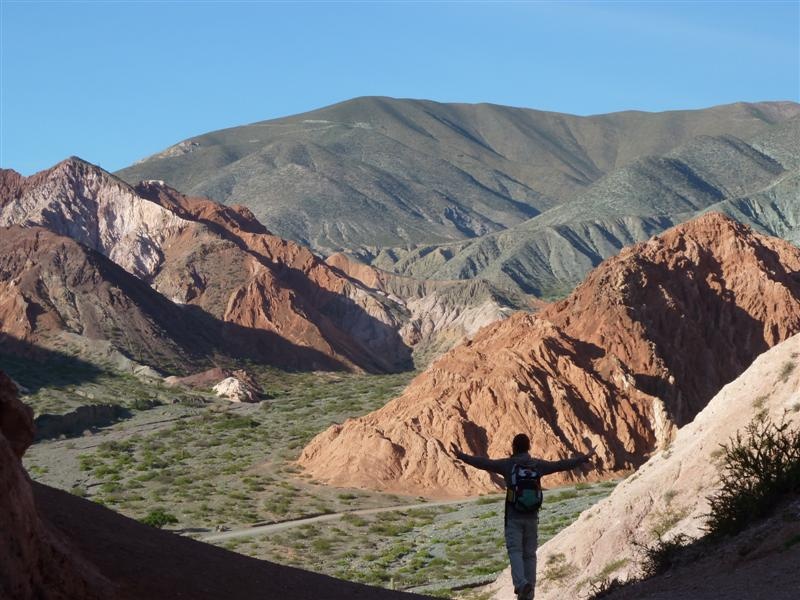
[[526, 593]]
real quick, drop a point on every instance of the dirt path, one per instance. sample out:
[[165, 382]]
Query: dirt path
[[273, 527]]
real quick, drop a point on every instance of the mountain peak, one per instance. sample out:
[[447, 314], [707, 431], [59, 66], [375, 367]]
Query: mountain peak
[[615, 363]]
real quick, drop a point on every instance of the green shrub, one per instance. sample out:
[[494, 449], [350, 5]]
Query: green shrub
[[604, 587], [662, 555], [786, 370], [662, 521], [759, 468], [159, 518], [557, 568]]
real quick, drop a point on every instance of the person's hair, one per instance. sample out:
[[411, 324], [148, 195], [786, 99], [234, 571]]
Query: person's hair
[[521, 443]]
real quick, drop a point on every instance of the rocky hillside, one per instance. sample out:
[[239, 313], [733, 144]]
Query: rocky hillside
[[615, 365], [372, 173], [53, 289], [254, 294], [754, 180], [668, 494]]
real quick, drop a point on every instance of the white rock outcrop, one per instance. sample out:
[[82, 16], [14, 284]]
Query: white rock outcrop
[[235, 390]]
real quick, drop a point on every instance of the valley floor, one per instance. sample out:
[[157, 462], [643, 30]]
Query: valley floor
[[217, 467]]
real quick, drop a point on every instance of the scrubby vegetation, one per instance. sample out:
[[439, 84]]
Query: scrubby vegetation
[[760, 467], [431, 550], [759, 471], [216, 466], [159, 518]]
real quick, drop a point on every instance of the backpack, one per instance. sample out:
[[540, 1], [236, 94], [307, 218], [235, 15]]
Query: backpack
[[525, 490]]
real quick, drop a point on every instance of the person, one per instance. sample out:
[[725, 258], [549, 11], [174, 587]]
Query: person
[[522, 520]]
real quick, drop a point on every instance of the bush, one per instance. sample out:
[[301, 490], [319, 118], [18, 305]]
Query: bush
[[604, 587], [758, 469], [158, 518], [662, 555]]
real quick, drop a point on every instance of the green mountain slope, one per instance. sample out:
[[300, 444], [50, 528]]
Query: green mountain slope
[[375, 172], [756, 182]]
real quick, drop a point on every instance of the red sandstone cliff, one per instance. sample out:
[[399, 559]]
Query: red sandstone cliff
[[53, 289], [689, 310], [636, 350]]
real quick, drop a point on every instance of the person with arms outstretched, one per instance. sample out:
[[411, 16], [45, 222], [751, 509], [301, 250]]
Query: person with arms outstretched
[[522, 474]]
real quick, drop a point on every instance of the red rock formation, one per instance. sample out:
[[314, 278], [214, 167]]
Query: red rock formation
[[51, 286], [689, 310], [278, 301], [35, 562], [638, 348], [520, 375]]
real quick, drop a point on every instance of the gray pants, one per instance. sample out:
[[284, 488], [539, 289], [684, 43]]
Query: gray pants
[[522, 536]]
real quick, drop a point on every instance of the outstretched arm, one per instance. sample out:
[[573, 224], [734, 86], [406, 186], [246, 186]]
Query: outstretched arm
[[479, 462], [547, 467]]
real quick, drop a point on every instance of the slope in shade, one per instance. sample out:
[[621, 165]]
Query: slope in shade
[[57, 546], [54, 291], [633, 353], [36, 562]]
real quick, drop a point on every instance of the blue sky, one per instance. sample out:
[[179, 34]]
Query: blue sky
[[115, 81]]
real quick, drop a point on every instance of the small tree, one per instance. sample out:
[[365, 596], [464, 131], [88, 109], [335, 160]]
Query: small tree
[[158, 518], [757, 470]]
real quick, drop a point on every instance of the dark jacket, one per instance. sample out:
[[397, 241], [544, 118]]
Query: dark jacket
[[502, 466]]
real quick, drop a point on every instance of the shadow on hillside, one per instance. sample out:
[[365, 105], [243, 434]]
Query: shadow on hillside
[[188, 338], [349, 329], [376, 346], [704, 338], [35, 367], [176, 566]]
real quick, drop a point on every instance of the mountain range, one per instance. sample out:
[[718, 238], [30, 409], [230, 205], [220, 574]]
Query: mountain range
[[755, 181], [527, 199], [655, 257]]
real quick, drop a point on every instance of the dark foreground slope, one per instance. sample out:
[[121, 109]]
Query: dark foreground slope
[[147, 563], [56, 546], [768, 571]]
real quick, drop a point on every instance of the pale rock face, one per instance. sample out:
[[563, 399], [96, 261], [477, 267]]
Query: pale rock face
[[672, 485], [235, 390], [434, 319], [434, 315], [109, 217]]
